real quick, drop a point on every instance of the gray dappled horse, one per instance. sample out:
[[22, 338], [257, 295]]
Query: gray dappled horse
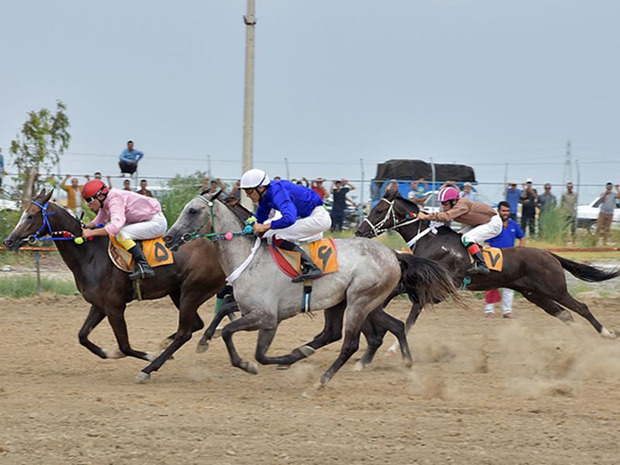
[[367, 272], [188, 281]]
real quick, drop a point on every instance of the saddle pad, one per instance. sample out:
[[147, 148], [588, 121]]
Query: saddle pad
[[493, 257], [155, 251], [322, 252]]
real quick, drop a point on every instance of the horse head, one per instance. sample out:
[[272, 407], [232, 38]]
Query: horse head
[[31, 221], [391, 212]]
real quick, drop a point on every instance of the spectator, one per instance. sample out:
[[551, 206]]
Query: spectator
[[143, 190], [74, 195], [236, 190], [505, 239], [129, 158], [99, 177], [2, 171], [339, 202], [512, 198], [301, 182], [418, 192], [528, 199], [213, 186], [547, 203], [318, 187], [568, 205], [126, 185], [392, 186], [607, 203]]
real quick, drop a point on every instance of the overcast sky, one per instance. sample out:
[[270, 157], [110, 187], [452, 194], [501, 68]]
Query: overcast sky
[[479, 82]]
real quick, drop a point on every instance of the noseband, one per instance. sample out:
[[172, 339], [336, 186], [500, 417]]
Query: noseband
[[390, 214], [46, 228]]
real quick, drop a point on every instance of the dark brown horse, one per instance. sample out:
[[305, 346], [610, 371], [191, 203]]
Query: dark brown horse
[[537, 274], [194, 278]]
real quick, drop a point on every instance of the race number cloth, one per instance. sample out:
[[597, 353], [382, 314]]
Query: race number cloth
[[494, 258], [322, 252], [155, 251]]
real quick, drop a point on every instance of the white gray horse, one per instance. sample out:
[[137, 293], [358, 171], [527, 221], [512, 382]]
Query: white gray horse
[[367, 272]]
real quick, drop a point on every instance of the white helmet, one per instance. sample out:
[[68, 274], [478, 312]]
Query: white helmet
[[254, 178]]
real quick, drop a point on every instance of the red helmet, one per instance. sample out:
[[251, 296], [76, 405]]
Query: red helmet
[[93, 188], [448, 193]]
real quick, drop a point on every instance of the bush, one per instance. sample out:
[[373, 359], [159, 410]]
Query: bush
[[182, 190], [554, 227], [26, 286], [8, 221]]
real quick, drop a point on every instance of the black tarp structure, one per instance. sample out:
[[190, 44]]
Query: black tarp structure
[[410, 170]]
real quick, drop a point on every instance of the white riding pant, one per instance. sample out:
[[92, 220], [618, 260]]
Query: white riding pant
[[307, 229], [483, 232], [507, 298], [151, 229]]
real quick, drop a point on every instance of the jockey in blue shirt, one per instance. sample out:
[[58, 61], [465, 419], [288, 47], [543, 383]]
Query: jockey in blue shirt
[[304, 217]]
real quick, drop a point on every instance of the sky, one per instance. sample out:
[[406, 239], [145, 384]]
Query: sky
[[340, 85]]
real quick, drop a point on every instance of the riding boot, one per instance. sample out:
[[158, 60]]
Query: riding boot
[[479, 266], [308, 269], [141, 268]]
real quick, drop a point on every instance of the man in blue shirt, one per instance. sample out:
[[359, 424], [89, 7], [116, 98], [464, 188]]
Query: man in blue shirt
[[512, 198], [510, 232], [303, 216], [129, 158]]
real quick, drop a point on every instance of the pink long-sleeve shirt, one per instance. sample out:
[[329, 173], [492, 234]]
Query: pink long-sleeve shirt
[[125, 207]]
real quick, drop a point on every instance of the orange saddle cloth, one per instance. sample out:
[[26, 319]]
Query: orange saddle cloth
[[322, 252], [155, 251], [493, 257]]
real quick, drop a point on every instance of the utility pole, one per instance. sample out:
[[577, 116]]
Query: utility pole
[[248, 109], [568, 171]]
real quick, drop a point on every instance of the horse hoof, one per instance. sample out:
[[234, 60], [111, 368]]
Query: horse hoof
[[150, 356], [359, 366], [114, 354], [250, 367], [306, 351], [142, 377], [408, 363], [282, 367], [217, 333], [202, 347], [609, 334]]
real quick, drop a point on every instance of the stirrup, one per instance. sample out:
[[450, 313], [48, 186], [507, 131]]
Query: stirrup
[[478, 268], [313, 273]]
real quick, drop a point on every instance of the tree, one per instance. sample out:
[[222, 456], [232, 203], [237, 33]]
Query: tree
[[43, 140]]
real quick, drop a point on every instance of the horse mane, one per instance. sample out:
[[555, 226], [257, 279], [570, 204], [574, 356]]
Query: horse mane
[[234, 205]]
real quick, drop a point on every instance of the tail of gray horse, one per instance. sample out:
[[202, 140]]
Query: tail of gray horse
[[425, 281]]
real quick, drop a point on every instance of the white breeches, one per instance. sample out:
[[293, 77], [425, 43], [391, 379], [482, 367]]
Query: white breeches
[[151, 229], [307, 229], [507, 298], [483, 232]]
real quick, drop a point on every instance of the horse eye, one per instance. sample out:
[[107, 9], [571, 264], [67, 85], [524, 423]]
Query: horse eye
[[30, 217], [192, 211]]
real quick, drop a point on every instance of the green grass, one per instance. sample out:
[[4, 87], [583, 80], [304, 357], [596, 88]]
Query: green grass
[[26, 286]]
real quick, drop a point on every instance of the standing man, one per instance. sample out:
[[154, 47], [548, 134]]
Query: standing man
[[339, 202], [528, 199], [547, 203], [127, 185], [568, 204], [318, 187], [74, 195], [607, 203], [468, 193], [143, 190], [512, 198], [418, 192], [2, 171], [505, 239], [129, 158]]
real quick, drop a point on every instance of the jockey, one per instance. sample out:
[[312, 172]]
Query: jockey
[[304, 217], [128, 216], [484, 223]]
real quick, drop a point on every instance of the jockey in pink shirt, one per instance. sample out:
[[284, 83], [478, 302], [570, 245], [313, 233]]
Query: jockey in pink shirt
[[128, 216]]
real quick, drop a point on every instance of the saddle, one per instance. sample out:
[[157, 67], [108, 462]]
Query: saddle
[[322, 252], [155, 251]]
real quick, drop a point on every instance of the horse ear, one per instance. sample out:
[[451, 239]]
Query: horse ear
[[46, 197], [216, 194]]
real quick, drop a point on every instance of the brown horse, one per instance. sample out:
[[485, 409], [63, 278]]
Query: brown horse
[[537, 274], [194, 278]]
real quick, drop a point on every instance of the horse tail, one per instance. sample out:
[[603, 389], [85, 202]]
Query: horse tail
[[586, 272], [425, 281]]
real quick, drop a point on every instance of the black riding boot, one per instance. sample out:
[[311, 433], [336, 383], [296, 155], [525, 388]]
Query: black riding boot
[[479, 266], [141, 268], [308, 269]]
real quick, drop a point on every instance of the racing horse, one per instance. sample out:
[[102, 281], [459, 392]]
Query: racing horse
[[367, 273], [537, 274], [188, 282]]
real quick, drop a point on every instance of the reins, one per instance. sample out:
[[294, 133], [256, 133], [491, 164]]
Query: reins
[[378, 229]]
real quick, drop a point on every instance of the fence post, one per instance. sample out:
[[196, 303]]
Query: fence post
[[37, 260]]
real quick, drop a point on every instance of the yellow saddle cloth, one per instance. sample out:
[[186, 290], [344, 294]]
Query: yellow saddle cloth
[[322, 252], [493, 257], [155, 251]]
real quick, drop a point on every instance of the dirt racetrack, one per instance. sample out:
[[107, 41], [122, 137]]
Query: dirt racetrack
[[525, 391]]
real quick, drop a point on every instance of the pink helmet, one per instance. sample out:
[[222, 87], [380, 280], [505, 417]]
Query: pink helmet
[[448, 193]]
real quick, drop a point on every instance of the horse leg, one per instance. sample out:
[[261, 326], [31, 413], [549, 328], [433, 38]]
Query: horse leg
[[119, 326], [332, 331], [582, 309], [415, 311], [255, 320], [226, 309], [95, 316], [175, 296], [549, 306], [381, 321]]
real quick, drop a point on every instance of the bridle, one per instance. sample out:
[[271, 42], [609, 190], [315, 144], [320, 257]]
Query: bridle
[[47, 230], [390, 214]]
